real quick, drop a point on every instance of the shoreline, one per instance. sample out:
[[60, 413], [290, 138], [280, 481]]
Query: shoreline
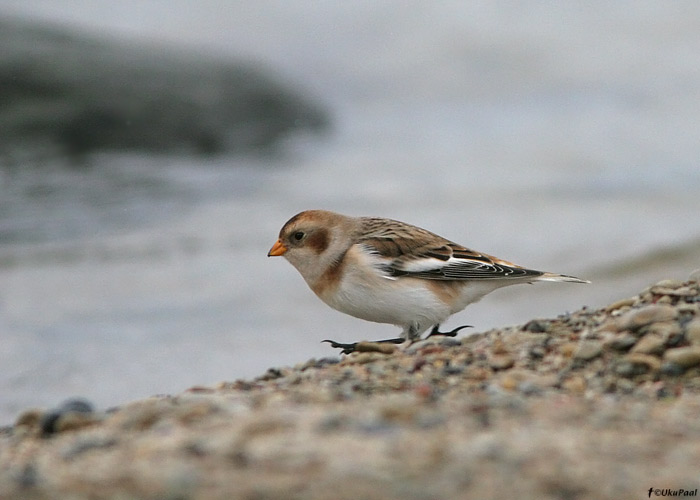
[[598, 403]]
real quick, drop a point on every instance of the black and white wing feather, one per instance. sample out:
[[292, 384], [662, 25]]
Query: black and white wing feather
[[406, 250]]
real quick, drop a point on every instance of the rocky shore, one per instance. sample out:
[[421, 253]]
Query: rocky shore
[[592, 404], [67, 95]]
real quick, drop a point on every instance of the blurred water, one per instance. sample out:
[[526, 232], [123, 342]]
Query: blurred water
[[560, 137]]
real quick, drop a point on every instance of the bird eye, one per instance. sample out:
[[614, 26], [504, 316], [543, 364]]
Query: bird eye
[[298, 236]]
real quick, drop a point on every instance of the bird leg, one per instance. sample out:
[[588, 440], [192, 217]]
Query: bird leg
[[352, 347], [348, 348], [452, 333]]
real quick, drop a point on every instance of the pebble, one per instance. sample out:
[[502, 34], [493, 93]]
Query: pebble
[[587, 350], [621, 342], [29, 418], [537, 352], [672, 369], [362, 358], [70, 415], [450, 342], [501, 361], [689, 309], [681, 291], [498, 346], [635, 319], [536, 326], [650, 344], [692, 332], [568, 349], [694, 276], [576, 384], [529, 388], [634, 364], [621, 303], [685, 357], [672, 284]]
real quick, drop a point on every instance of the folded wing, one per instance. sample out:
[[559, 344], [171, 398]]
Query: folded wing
[[454, 262]]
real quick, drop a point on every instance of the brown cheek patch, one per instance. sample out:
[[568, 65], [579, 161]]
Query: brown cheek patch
[[318, 241], [329, 280]]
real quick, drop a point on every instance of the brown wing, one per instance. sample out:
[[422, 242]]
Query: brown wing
[[412, 251]]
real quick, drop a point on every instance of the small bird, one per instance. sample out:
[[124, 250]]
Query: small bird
[[387, 271]]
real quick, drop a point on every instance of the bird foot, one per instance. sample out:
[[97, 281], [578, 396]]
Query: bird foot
[[451, 333], [349, 348]]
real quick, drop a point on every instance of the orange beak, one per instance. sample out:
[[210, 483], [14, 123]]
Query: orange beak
[[277, 249]]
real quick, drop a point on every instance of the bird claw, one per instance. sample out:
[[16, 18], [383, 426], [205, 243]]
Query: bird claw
[[345, 348], [451, 333], [352, 347]]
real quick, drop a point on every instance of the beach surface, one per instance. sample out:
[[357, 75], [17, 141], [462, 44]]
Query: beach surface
[[598, 403]]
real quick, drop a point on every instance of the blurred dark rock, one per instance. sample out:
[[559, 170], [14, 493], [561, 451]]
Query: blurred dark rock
[[63, 94]]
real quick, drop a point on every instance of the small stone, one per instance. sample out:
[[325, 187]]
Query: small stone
[[509, 382], [450, 342], [29, 419], [567, 350], [419, 345], [587, 350], [620, 304], [677, 290], [271, 374], [76, 405], [424, 391], [529, 388], [499, 347], [636, 364], [694, 276], [501, 361], [635, 319], [71, 414], [201, 389], [650, 344], [536, 326], [453, 370], [667, 330], [688, 309], [672, 369], [71, 421], [575, 384], [692, 332], [667, 284], [625, 386], [685, 357], [621, 342], [382, 347], [537, 352], [362, 358], [477, 373]]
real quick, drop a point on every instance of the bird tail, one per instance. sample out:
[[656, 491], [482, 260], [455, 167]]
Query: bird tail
[[560, 277]]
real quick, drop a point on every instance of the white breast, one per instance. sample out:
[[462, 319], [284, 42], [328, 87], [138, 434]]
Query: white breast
[[365, 293]]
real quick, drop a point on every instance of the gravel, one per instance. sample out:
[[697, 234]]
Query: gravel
[[591, 404]]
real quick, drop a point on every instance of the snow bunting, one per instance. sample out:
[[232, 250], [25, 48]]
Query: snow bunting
[[387, 271]]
